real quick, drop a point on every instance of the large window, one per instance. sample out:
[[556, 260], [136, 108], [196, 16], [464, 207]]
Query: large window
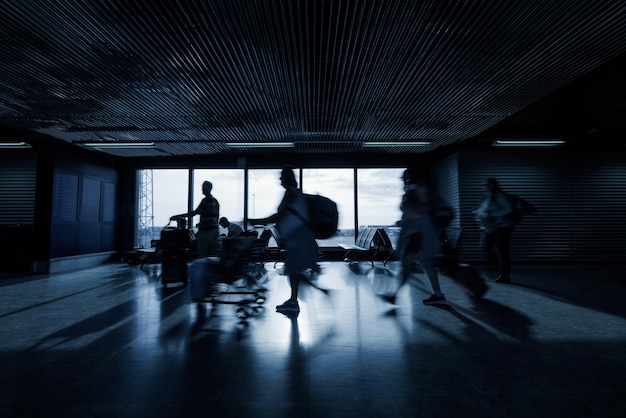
[[379, 195], [264, 195], [338, 185], [170, 194], [378, 190], [161, 194], [227, 189], [264, 192]]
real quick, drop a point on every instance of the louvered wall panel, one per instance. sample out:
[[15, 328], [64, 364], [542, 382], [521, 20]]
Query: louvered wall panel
[[17, 188], [539, 177], [598, 209], [579, 199], [446, 184]]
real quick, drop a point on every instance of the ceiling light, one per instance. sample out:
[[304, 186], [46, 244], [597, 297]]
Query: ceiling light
[[396, 143], [118, 144], [260, 144], [528, 142], [14, 145]]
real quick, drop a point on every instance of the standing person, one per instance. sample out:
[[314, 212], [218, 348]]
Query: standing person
[[419, 239], [495, 216], [207, 238], [233, 229], [297, 237]]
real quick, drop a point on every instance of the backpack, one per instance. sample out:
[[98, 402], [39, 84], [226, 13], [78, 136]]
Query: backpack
[[521, 207], [323, 215], [441, 213]]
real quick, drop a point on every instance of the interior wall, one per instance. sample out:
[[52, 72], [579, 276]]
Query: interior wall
[[84, 208], [579, 199], [18, 170]]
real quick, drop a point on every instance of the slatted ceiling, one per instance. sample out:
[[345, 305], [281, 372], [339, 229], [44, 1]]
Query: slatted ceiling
[[270, 70]]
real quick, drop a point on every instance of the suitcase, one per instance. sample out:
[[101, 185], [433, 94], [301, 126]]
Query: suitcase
[[174, 238], [173, 266], [203, 276], [464, 275]]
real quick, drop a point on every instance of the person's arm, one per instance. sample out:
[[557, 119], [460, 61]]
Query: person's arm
[[272, 219], [481, 211], [502, 206], [184, 215], [188, 214], [288, 199]]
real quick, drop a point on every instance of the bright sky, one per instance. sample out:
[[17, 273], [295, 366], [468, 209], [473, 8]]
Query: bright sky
[[379, 193]]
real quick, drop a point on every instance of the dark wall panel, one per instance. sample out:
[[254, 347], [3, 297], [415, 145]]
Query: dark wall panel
[[18, 178], [85, 205], [598, 209], [18, 171], [89, 238], [446, 184], [64, 237], [579, 201]]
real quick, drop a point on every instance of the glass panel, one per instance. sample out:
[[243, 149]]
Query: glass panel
[[338, 185], [264, 195], [170, 197], [228, 187], [379, 194], [162, 193]]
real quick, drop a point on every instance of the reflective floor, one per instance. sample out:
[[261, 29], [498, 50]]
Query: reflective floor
[[112, 342]]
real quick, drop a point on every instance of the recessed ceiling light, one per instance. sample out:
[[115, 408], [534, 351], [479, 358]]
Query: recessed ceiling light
[[396, 143], [260, 144], [528, 142], [15, 145], [110, 145]]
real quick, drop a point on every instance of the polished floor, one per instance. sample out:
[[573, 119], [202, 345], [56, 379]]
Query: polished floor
[[112, 342]]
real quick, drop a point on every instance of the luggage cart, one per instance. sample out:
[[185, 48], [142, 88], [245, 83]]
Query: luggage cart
[[235, 278]]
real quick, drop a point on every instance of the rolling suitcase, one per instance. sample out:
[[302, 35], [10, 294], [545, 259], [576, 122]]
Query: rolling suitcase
[[173, 266], [203, 276], [464, 275]]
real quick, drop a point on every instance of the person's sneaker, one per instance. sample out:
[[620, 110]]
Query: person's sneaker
[[435, 300], [289, 307]]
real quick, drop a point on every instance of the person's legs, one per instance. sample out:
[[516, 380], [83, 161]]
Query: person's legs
[[487, 243], [202, 244], [291, 306], [294, 283], [503, 241], [433, 277], [437, 298], [408, 258], [213, 242], [406, 267]]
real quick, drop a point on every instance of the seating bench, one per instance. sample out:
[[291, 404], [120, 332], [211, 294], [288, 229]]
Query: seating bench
[[371, 244]]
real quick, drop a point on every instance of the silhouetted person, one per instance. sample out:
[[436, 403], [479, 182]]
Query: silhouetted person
[[233, 229], [296, 236], [207, 238], [419, 240], [496, 220]]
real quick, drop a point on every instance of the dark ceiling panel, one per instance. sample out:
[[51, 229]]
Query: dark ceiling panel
[[325, 74]]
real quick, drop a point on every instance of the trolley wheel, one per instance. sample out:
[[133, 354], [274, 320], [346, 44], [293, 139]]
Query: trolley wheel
[[242, 312]]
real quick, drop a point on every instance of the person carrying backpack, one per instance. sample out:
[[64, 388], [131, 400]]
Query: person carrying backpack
[[419, 240], [297, 237], [495, 214]]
